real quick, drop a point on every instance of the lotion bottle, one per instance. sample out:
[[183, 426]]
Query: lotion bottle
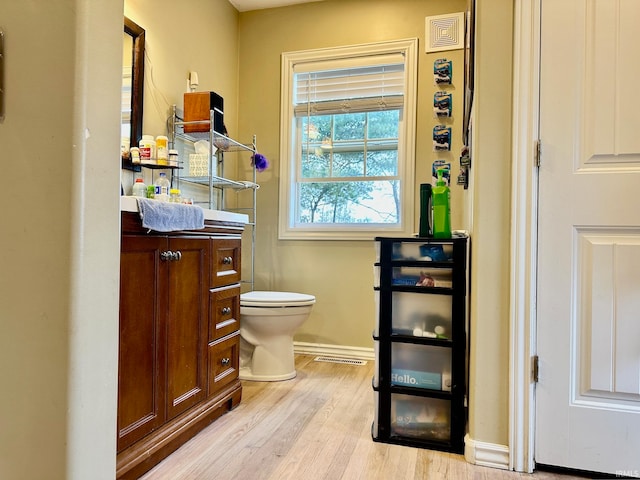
[[441, 208]]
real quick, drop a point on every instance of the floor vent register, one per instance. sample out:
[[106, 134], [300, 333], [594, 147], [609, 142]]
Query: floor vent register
[[347, 361]]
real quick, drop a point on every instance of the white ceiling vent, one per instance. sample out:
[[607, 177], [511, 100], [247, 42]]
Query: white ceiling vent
[[444, 32]]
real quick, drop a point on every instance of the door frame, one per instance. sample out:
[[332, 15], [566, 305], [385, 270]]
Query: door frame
[[524, 216]]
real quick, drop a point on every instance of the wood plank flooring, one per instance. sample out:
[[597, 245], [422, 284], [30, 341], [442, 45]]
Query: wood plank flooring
[[316, 426]]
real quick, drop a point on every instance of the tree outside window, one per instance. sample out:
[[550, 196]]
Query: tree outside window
[[349, 168]]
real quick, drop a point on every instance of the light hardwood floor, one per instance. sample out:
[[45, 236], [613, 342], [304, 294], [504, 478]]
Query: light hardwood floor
[[316, 426]]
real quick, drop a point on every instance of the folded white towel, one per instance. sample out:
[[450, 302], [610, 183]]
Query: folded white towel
[[170, 217]]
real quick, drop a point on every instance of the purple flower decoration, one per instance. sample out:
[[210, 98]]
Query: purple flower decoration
[[259, 161]]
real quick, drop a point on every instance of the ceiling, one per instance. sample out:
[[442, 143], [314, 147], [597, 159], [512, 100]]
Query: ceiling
[[246, 5]]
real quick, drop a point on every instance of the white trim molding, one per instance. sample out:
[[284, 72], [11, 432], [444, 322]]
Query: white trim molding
[[333, 350], [486, 454], [349, 55], [524, 213]]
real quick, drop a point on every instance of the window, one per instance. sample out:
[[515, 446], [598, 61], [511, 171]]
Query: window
[[347, 141]]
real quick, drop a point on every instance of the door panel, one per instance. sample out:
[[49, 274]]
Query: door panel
[[141, 371], [187, 324], [588, 334], [608, 265]]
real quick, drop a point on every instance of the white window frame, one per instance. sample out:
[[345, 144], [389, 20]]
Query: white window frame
[[406, 144]]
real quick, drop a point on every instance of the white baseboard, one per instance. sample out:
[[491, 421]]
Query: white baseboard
[[333, 350], [486, 454]]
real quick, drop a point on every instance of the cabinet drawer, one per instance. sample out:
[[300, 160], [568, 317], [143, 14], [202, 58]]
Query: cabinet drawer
[[422, 276], [426, 315], [223, 362], [431, 251], [421, 366], [224, 312], [421, 418], [225, 266]]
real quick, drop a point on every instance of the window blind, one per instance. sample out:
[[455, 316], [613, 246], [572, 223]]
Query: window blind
[[369, 84]]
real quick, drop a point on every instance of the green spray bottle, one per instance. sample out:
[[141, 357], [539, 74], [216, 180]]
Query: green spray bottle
[[441, 208]]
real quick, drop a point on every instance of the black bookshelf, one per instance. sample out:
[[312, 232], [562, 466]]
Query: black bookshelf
[[420, 380]]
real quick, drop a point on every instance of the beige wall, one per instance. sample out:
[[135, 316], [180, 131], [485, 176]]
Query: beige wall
[[194, 35], [60, 248], [338, 273], [491, 178]]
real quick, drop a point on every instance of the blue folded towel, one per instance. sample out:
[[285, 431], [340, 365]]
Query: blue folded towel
[[169, 217]]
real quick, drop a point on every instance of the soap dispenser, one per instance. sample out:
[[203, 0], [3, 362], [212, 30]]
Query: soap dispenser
[[441, 208]]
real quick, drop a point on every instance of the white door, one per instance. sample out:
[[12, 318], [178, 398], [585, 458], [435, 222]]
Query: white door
[[588, 307]]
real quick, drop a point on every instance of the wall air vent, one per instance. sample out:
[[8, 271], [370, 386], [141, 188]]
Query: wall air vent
[[444, 32]]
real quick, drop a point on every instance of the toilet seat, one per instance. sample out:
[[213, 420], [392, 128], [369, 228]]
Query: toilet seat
[[276, 299]]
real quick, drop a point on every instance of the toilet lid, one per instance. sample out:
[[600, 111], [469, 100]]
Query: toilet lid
[[276, 299]]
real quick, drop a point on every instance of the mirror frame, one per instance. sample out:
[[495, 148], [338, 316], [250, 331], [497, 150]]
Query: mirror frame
[[137, 80]]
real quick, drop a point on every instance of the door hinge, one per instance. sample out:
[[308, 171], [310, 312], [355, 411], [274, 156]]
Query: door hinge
[[537, 152], [535, 365]]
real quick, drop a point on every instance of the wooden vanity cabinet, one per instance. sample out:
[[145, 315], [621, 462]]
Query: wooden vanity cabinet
[[179, 339]]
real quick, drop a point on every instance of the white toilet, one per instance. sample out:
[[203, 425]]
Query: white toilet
[[268, 321]]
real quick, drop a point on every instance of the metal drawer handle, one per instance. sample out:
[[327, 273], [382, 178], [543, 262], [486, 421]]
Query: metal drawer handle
[[226, 310], [225, 362], [169, 256], [227, 260]]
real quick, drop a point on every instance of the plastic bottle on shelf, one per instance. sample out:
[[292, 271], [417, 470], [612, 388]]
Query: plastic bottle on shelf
[[441, 208], [162, 150], [139, 188], [174, 196], [134, 155], [147, 147], [162, 186], [173, 157]]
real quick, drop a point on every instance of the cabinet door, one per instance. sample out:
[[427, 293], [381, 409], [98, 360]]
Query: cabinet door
[[187, 323], [226, 261], [141, 363]]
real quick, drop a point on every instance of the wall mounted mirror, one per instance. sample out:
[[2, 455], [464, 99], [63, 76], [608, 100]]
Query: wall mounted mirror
[[132, 89]]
